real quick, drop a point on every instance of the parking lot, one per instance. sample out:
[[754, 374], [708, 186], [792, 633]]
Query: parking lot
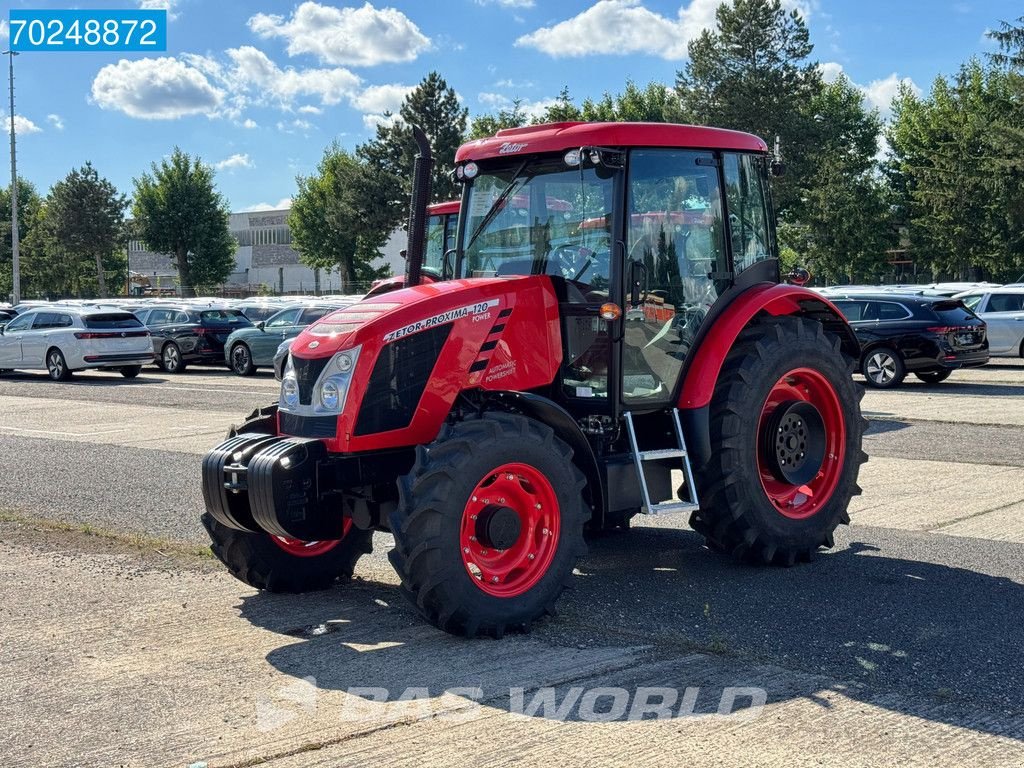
[[902, 642]]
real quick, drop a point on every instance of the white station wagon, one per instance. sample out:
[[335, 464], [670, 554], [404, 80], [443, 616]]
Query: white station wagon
[[65, 339], [1002, 309]]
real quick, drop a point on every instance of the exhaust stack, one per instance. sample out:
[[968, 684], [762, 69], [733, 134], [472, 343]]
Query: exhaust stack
[[421, 176]]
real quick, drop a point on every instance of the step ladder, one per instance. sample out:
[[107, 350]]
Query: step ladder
[[639, 457]]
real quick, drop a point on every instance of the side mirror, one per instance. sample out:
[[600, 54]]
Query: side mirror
[[798, 276], [261, 325], [777, 168]]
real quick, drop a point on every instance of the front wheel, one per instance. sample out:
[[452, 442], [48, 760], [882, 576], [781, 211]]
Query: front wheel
[[883, 368], [933, 377], [489, 525], [786, 433], [241, 360], [171, 359]]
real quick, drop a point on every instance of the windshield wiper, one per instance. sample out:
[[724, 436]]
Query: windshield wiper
[[499, 203]]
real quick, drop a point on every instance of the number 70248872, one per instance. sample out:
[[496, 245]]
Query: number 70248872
[[88, 30]]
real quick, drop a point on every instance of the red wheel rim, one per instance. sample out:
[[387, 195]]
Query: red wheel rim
[[512, 571], [300, 548], [810, 386]]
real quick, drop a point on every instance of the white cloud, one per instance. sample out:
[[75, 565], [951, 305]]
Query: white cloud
[[494, 100], [382, 98], [283, 203], [621, 27], [5, 32], [237, 160], [309, 109], [514, 84], [830, 71], [56, 121], [155, 89], [370, 122], [22, 125], [249, 123], [363, 36], [254, 73], [294, 126], [531, 109], [160, 5], [880, 93]]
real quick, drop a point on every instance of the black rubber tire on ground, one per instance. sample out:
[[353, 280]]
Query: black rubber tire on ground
[[241, 359], [736, 515], [171, 360], [257, 561], [57, 366], [131, 371], [427, 523], [933, 377], [887, 359]]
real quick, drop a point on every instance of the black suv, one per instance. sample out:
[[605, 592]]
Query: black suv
[[929, 336], [185, 334]]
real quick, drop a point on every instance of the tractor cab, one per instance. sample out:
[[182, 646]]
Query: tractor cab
[[654, 231]]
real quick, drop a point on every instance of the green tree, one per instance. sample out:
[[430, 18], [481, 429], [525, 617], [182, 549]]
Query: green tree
[[487, 125], [84, 217], [30, 205], [845, 224], [654, 103], [178, 210], [341, 217], [434, 106], [753, 72]]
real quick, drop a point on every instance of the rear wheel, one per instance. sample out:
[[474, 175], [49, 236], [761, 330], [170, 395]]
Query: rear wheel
[[57, 366], [489, 525], [170, 358], [276, 563], [786, 437], [241, 360], [131, 371], [883, 368], [933, 377]]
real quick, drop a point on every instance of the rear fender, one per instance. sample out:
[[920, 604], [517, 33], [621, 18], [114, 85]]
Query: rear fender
[[705, 364]]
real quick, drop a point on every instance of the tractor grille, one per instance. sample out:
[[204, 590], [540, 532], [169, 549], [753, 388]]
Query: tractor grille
[[306, 374], [307, 426], [398, 380]]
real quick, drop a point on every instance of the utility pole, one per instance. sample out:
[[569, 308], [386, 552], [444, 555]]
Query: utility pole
[[16, 282]]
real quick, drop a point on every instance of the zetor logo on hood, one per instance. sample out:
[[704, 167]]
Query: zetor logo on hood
[[509, 148]]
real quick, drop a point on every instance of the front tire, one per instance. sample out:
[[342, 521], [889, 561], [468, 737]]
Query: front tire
[[57, 366], [786, 433], [171, 359], [489, 525], [241, 360], [883, 368]]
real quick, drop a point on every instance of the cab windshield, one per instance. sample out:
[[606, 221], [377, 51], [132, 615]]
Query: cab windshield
[[540, 218]]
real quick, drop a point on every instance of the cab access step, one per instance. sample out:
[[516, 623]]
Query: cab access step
[[661, 454]]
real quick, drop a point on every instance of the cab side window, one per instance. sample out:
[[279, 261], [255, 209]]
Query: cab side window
[[745, 181]]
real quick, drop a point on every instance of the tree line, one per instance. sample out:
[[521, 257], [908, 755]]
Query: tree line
[[947, 196]]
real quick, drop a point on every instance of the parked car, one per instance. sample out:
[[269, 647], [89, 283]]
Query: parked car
[[259, 310], [925, 335], [6, 315], [246, 349], [183, 334], [281, 358], [1002, 309], [62, 340]]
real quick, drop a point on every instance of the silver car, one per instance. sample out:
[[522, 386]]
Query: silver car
[[65, 339], [1002, 309]]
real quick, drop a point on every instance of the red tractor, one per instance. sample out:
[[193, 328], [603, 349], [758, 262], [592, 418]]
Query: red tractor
[[609, 336]]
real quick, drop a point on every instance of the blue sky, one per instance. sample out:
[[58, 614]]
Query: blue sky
[[259, 87]]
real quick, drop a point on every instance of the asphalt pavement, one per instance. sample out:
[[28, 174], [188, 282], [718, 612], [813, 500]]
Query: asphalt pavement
[[899, 646]]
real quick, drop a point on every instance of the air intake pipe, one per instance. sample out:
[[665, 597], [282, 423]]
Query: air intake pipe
[[421, 176]]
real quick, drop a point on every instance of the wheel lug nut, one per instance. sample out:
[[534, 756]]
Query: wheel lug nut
[[472, 517], [530, 556], [501, 501], [474, 498], [472, 538], [466, 550], [494, 579], [537, 506], [546, 532], [510, 477], [483, 551]]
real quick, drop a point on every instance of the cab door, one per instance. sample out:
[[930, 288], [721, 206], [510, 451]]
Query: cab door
[[676, 264]]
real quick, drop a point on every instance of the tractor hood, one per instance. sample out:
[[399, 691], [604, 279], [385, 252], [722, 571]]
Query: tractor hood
[[410, 352]]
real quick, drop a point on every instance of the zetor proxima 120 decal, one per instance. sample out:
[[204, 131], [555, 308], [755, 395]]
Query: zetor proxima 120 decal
[[442, 319]]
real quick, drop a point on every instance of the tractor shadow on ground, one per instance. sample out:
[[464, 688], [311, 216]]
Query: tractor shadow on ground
[[932, 641]]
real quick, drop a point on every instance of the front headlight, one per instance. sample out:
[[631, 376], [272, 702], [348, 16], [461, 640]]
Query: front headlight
[[330, 394], [290, 392]]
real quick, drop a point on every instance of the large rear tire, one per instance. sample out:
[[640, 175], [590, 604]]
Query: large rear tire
[[277, 564], [489, 525], [786, 433]]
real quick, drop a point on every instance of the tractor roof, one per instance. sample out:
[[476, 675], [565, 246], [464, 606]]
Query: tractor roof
[[558, 137], [440, 209]]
